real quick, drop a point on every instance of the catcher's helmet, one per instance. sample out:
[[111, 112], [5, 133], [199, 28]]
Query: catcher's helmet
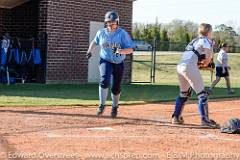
[[111, 16], [231, 126]]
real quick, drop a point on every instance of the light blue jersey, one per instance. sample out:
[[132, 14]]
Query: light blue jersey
[[109, 40]]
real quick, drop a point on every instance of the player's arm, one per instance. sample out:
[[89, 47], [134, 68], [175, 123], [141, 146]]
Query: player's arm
[[91, 47], [223, 62], [125, 51], [127, 45], [94, 43]]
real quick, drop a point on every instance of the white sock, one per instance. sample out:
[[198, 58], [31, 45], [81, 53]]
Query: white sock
[[103, 93], [115, 99]]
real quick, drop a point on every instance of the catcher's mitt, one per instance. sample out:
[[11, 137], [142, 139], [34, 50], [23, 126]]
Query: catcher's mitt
[[203, 66]]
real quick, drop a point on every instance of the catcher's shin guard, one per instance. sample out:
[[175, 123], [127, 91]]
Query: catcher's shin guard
[[203, 107], [180, 102]]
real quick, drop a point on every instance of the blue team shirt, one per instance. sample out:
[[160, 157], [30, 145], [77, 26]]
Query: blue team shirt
[[108, 40]]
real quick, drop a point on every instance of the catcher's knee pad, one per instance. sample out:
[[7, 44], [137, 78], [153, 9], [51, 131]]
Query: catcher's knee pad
[[187, 94], [203, 106], [203, 93], [180, 102]]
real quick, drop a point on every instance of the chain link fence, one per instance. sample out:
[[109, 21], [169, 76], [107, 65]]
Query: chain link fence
[[158, 65]]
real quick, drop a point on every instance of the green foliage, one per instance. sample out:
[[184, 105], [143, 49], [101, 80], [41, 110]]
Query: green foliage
[[187, 37], [164, 35], [165, 89], [175, 35], [164, 45], [226, 34]]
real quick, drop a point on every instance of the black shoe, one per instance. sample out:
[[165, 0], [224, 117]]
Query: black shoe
[[100, 110], [114, 112]]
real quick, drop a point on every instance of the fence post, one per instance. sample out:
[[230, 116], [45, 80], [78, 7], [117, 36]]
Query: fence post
[[153, 66], [151, 73]]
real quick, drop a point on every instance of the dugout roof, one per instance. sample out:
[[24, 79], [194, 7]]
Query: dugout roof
[[11, 3]]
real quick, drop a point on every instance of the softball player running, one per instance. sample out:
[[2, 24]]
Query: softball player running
[[115, 43], [222, 69], [198, 51]]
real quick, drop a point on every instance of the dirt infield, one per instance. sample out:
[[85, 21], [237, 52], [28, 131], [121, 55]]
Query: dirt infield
[[140, 132]]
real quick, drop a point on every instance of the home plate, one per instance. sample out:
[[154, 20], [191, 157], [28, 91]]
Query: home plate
[[101, 128], [214, 137]]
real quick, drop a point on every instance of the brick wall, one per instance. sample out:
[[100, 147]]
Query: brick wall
[[66, 23], [42, 16], [68, 35], [4, 20]]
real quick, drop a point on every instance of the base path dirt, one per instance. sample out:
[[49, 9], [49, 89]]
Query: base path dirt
[[139, 132]]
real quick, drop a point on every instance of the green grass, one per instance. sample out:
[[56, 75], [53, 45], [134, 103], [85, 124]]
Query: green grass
[[166, 69], [51, 95], [165, 89]]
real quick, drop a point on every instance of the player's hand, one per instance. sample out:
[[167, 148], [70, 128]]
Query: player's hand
[[228, 67], [114, 50], [88, 55]]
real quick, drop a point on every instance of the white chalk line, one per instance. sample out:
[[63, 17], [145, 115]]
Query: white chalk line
[[215, 137], [200, 134], [101, 128], [207, 136]]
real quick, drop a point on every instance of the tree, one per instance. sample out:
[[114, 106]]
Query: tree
[[164, 44], [137, 30], [176, 34], [225, 34], [146, 35]]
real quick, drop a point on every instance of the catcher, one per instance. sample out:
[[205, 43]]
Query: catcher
[[222, 69], [199, 53]]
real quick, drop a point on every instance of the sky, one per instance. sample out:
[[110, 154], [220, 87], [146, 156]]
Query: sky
[[214, 12]]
